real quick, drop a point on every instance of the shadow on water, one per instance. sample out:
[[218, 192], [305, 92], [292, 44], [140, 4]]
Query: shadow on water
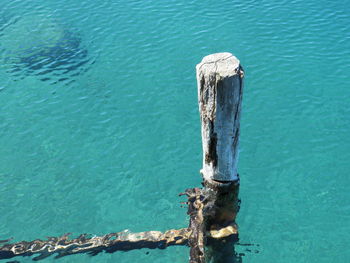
[[41, 47], [226, 250]]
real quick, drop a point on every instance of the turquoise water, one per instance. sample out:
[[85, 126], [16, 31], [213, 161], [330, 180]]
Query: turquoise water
[[99, 125]]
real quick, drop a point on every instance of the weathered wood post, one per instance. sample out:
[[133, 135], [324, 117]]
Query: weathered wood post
[[220, 86], [212, 230]]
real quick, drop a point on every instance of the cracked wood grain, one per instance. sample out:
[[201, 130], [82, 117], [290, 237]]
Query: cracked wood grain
[[220, 89]]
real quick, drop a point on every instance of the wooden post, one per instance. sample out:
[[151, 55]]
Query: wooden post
[[220, 86], [219, 78], [212, 230]]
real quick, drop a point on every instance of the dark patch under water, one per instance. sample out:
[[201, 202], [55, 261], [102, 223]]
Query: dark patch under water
[[61, 61]]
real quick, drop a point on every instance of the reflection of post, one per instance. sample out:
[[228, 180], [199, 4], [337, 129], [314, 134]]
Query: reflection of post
[[220, 86]]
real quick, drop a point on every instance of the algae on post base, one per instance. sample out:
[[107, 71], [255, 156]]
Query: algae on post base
[[220, 90]]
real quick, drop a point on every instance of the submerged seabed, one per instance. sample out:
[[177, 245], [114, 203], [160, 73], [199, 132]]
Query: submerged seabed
[[99, 126]]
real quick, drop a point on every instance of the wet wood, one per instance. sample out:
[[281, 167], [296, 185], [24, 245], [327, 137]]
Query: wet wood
[[220, 88], [196, 226], [121, 241], [214, 232], [220, 211]]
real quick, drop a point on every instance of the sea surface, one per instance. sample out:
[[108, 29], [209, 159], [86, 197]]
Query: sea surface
[[100, 131]]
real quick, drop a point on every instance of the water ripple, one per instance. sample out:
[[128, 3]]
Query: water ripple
[[99, 127], [41, 46]]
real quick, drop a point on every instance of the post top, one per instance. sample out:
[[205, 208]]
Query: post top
[[224, 63]]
